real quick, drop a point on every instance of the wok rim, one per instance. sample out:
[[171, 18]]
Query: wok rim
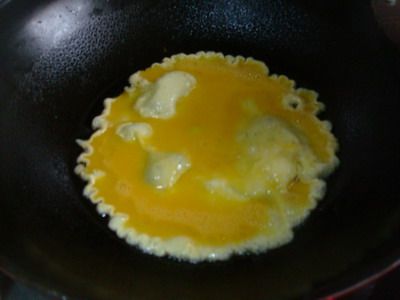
[[344, 285]]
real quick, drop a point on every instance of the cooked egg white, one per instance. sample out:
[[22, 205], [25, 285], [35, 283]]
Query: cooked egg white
[[207, 155]]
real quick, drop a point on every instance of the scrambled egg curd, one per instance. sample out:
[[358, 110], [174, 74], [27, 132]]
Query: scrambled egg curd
[[207, 155]]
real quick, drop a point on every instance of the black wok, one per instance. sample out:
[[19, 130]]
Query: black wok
[[59, 59]]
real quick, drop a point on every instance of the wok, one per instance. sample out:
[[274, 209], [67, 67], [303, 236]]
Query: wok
[[60, 59]]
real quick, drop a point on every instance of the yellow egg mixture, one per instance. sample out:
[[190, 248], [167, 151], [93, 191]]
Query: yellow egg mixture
[[206, 155]]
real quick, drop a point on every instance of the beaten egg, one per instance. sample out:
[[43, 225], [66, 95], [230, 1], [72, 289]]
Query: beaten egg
[[206, 155]]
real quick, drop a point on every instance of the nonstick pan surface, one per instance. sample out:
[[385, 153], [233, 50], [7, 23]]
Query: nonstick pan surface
[[60, 59]]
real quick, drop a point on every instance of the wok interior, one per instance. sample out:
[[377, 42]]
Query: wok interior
[[62, 58]]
